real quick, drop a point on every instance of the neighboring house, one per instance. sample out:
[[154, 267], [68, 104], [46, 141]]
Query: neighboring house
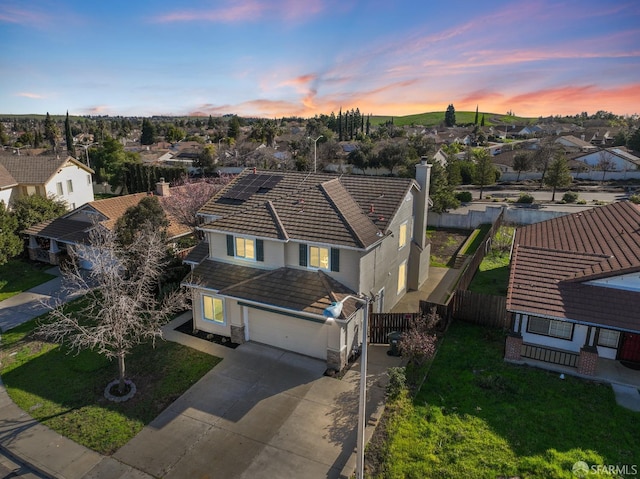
[[52, 240], [574, 289], [282, 246], [64, 178], [8, 185], [615, 159], [570, 142]]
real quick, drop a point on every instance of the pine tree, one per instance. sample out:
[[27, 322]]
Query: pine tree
[[340, 125], [482, 121], [50, 131], [450, 116], [475, 121], [148, 136], [71, 148]]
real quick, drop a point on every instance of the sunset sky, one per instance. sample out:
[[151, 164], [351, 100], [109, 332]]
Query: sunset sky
[[273, 58]]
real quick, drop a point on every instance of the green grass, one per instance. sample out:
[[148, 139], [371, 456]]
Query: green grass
[[477, 416], [475, 239], [493, 275], [65, 391], [19, 275], [436, 118]]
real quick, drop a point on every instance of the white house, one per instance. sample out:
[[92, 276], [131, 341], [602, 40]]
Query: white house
[[64, 178], [574, 289], [615, 159], [283, 246]]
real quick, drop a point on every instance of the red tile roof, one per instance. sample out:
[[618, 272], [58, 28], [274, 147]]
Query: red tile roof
[[553, 260], [314, 207]]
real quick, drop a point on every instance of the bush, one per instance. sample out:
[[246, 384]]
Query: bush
[[635, 199], [397, 382], [525, 198], [570, 197], [464, 196], [581, 202]]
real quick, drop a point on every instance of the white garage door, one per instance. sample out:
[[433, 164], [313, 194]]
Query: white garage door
[[292, 334]]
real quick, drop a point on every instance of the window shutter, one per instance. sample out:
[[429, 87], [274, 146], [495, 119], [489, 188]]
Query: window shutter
[[303, 254], [259, 250], [230, 246], [335, 259]]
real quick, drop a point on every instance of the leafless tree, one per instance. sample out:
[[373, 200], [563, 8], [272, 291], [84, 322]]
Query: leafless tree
[[121, 306], [185, 200], [605, 163]]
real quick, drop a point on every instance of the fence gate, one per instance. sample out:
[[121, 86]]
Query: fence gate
[[381, 324]]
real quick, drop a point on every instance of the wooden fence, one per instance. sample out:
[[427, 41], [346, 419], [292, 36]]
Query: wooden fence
[[465, 305], [381, 324]]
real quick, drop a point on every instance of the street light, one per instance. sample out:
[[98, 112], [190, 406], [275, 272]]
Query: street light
[[86, 150], [333, 312], [315, 152]]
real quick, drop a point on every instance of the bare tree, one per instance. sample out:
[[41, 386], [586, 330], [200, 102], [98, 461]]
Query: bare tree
[[522, 161], [186, 200], [605, 162], [418, 343], [121, 306]]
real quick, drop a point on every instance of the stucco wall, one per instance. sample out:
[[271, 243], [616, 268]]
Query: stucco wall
[[82, 186]]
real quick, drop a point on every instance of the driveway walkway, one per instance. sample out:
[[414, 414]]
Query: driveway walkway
[[27, 305], [260, 413]]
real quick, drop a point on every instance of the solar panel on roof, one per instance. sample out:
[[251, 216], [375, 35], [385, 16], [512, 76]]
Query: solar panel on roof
[[248, 185]]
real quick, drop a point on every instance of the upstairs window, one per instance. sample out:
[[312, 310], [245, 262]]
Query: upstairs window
[[402, 235], [402, 277], [245, 248], [319, 257], [70, 186], [88, 180], [59, 188]]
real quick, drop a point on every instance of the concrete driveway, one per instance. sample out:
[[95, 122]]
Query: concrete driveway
[[260, 413]]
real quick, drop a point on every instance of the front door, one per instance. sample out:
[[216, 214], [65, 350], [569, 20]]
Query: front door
[[630, 349]]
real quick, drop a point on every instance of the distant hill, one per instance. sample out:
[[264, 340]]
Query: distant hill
[[436, 118]]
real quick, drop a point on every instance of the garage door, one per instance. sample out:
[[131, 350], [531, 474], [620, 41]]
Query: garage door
[[292, 334]]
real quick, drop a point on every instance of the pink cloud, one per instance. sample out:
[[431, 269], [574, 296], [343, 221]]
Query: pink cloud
[[34, 96], [247, 11], [20, 16]]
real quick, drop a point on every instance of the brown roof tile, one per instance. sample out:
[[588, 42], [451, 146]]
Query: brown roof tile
[[346, 210], [6, 180], [288, 288], [553, 260], [36, 170]]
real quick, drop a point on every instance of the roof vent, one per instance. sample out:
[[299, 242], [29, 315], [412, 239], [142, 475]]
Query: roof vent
[[372, 209], [254, 170]]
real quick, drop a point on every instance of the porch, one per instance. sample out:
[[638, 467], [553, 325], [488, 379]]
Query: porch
[[607, 371]]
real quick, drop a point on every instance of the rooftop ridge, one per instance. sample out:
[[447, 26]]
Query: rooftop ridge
[[278, 221]]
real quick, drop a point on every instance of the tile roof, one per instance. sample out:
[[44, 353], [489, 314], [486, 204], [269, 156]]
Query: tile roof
[[36, 170], [314, 207], [198, 254], [288, 288], [6, 180], [553, 261], [64, 228]]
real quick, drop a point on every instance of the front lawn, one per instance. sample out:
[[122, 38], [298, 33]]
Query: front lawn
[[19, 275], [65, 391], [477, 416]]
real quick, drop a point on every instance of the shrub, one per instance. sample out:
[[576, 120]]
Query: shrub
[[635, 199], [581, 202], [464, 196], [525, 198], [397, 382], [570, 197]]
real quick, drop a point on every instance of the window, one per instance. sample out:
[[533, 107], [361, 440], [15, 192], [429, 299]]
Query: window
[[608, 338], [59, 188], [246, 248], [550, 327], [213, 309], [402, 277], [402, 235], [88, 180], [70, 186], [318, 257]]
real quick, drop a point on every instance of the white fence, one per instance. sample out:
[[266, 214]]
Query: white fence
[[473, 218]]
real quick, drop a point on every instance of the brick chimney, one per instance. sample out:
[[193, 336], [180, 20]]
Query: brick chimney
[[162, 188]]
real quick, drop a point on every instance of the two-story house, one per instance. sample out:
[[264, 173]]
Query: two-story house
[[64, 178], [282, 246]]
